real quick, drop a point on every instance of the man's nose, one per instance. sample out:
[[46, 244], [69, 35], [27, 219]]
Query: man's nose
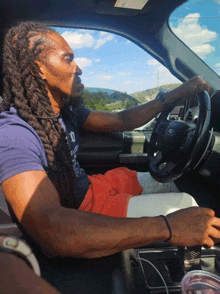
[[77, 70]]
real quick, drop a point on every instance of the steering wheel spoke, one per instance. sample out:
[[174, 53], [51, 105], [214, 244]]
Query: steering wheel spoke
[[157, 160], [177, 146]]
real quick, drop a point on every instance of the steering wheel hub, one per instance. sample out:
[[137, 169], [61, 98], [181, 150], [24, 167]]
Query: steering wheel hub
[[174, 136]]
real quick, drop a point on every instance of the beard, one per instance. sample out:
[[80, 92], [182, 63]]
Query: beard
[[73, 101]]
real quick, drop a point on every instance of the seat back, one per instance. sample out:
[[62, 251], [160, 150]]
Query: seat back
[[5, 217], [7, 227], [10, 230]]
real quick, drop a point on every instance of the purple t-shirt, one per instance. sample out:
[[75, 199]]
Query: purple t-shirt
[[22, 150]]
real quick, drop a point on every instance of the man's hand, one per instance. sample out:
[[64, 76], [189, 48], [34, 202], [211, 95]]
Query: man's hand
[[188, 89], [194, 226]]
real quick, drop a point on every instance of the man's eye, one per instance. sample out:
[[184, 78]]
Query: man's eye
[[69, 59]]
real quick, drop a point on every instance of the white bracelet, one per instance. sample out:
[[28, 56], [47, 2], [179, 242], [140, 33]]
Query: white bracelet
[[18, 247]]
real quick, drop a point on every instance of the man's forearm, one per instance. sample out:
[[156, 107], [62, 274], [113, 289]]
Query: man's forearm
[[131, 118], [141, 114], [138, 116], [88, 235]]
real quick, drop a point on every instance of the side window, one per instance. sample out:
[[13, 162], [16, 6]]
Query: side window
[[117, 74], [196, 23]]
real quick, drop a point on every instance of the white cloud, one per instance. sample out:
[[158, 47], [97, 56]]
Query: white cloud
[[134, 85], [217, 65], [97, 60], [195, 36], [109, 37], [203, 50], [103, 34], [83, 62], [164, 76], [161, 68], [153, 62], [78, 40], [128, 42], [105, 37], [124, 73], [100, 43], [125, 84], [104, 77]]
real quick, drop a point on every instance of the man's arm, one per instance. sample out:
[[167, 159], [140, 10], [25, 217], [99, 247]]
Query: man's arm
[[62, 231], [17, 277], [129, 119]]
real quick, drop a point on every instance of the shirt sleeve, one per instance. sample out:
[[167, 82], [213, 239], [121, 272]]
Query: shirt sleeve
[[82, 114], [20, 150]]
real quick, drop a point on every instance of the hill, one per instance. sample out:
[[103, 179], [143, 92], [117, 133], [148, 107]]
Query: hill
[[92, 90], [149, 94], [102, 100], [110, 100]]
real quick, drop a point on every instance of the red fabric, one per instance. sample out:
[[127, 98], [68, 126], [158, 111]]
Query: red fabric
[[110, 193]]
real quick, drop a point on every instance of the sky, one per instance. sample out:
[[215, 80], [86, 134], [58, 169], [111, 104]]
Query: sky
[[113, 62]]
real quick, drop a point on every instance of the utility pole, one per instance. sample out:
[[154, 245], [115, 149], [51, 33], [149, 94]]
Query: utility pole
[[158, 81]]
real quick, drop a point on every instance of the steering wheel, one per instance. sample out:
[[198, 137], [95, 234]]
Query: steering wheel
[[177, 146]]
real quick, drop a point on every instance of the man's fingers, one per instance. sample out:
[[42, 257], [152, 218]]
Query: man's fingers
[[204, 210], [214, 233], [201, 85], [207, 87], [209, 243], [200, 227], [209, 211], [216, 222], [204, 87]]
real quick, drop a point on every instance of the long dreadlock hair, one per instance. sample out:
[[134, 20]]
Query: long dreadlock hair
[[25, 90]]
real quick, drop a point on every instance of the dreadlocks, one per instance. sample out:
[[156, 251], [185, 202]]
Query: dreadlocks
[[25, 90]]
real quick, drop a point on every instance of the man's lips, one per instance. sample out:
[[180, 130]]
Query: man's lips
[[79, 83]]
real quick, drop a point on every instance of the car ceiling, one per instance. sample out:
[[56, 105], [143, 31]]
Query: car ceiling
[[65, 10], [137, 25]]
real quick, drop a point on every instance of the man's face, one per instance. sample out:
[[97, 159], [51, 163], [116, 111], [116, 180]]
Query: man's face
[[61, 73]]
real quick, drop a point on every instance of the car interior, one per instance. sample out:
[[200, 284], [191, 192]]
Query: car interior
[[191, 160]]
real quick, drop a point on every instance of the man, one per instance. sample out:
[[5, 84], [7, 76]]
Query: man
[[41, 98]]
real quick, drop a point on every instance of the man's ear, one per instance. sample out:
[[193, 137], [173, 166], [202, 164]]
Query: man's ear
[[41, 69]]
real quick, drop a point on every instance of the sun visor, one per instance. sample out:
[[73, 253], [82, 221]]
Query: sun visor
[[131, 4]]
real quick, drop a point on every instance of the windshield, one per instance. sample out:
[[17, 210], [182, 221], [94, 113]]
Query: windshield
[[196, 23], [117, 74]]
